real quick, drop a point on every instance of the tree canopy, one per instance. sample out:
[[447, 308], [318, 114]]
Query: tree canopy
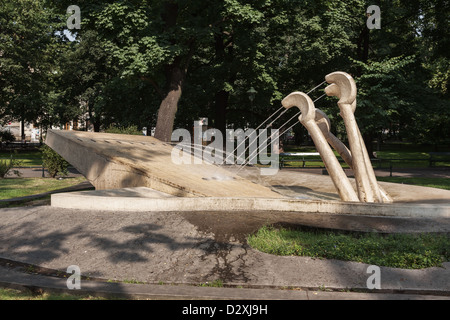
[[165, 63]]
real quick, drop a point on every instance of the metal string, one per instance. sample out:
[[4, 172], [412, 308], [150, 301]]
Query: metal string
[[270, 124], [297, 114]]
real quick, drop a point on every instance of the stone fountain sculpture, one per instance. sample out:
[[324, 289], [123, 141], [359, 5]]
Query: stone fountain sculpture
[[112, 161], [343, 86]]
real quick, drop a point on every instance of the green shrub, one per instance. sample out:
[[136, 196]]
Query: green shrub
[[124, 130], [53, 162], [6, 136]]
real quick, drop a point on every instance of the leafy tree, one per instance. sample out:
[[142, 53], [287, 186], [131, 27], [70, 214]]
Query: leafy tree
[[167, 62], [155, 41], [395, 74], [85, 73], [26, 44]]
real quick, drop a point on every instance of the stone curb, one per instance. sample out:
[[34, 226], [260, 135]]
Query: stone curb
[[96, 201], [39, 283]]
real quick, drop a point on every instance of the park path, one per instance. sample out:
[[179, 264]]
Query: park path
[[36, 172], [437, 172]]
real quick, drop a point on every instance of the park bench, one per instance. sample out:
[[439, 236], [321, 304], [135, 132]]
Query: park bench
[[378, 163], [434, 157], [303, 157]]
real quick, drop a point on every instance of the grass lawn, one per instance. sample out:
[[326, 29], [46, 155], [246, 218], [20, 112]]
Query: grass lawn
[[27, 159], [21, 187], [405, 251], [30, 162], [441, 183], [12, 294]]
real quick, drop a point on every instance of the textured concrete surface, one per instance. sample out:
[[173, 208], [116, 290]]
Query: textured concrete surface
[[39, 283], [144, 199], [188, 248], [113, 161]]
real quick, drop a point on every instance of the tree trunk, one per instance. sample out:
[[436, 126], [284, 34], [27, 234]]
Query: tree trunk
[[362, 49], [224, 53], [96, 124], [175, 74], [169, 105], [221, 97], [221, 103], [368, 138], [22, 130], [94, 120], [363, 55]]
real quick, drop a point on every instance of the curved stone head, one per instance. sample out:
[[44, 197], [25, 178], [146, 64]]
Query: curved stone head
[[342, 85], [322, 121], [303, 102]]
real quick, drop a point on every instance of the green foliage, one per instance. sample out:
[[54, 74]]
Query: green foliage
[[26, 294], [53, 162], [124, 130], [124, 60], [7, 165], [402, 78], [26, 58], [408, 251], [382, 96], [5, 137]]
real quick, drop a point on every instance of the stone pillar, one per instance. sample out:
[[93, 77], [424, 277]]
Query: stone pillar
[[324, 124], [307, 118], [343, 86]]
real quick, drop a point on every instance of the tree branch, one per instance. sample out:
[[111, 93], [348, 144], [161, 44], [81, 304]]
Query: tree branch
[[154, 84]]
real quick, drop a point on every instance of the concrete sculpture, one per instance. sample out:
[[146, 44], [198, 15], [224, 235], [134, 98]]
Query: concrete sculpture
[[324, 124], [343, 86], [308, 119], [115, 161]]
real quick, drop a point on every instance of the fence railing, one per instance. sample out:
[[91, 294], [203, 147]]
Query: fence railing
[[310, 160]]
